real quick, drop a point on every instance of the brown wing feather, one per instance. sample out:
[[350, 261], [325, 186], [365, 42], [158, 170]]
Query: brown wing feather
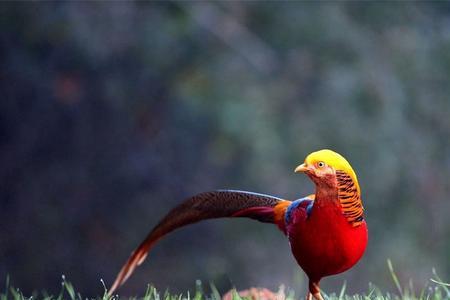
[[209, 205]]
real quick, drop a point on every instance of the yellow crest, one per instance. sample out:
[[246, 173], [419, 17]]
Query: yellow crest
[[333, 159]]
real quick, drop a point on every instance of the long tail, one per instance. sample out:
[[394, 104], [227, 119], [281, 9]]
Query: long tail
[[209, 205]]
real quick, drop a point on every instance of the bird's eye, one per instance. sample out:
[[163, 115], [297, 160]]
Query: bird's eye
[[321, 164]]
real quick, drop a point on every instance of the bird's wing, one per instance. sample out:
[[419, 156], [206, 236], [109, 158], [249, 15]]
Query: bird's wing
[[209, 205], [300, 208]]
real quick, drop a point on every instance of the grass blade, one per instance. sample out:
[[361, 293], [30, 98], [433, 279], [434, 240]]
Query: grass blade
[[342, 293], [69, 288], [198, 290], [215, 295], [439, 281], [5, 295], [235, 295], [394, 277]]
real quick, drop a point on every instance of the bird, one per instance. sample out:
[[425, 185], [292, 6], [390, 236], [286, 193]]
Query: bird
[[327, 231]]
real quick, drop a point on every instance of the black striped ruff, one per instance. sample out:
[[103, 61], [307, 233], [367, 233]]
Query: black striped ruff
[[349, 198]]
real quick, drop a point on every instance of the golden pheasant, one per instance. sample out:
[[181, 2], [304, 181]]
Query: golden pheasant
[[327, 231]]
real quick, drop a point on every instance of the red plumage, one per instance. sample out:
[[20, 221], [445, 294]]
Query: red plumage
[[327, 231], [324, 243]]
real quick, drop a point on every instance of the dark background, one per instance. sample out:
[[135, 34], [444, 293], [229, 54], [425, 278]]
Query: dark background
[[111, 113]]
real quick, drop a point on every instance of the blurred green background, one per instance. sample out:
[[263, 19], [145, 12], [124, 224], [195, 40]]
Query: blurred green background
[[112, 113]]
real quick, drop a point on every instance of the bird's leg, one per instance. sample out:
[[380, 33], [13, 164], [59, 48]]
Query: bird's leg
[[318, 296], [308, 296], [314, 290]]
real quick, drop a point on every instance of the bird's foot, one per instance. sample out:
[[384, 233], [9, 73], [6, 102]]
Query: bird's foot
[[309, 296]]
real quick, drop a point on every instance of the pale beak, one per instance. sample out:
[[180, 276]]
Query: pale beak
[[301, 168]]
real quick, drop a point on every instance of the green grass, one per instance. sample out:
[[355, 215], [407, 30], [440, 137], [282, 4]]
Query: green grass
[[436, 289]]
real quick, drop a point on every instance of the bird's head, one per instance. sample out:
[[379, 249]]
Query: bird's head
[[321, 167]]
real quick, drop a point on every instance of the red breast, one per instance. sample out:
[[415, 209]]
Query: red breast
[[325, 243]]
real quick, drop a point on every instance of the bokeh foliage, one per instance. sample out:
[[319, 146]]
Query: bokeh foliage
[[111, 113]]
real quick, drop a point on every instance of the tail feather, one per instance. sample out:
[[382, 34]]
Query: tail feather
[[209, 205]]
